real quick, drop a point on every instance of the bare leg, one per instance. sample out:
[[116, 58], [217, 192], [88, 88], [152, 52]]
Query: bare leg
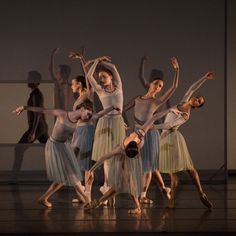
[[146, 180], [51, 190], [80, 192], [165, 190], [174, 185], [88, 185], [137, 209], [196, 180], [105, 186]]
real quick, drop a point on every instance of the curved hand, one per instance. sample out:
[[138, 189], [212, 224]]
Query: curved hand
[[175, 63], [209, 75], [55, 51], [18, 110]]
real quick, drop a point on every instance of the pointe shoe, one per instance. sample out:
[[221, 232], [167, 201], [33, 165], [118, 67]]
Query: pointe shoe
[[135, 211], [205, 201], [92, 205], [145, 200], [45, 202], [166, 191], [103, 189]]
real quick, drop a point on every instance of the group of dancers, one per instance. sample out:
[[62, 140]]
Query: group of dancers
[[129, 159]]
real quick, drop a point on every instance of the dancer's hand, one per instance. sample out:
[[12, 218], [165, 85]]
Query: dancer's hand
[[18, 110], [31, 137], [116, 108], [144, 58], [104, 59], [75, 55], [175, 63], [209, 75], [55, 51]]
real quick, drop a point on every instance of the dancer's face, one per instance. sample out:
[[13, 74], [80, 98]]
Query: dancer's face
[[75, 86], [197, 101], [105, 78], [85, 114], [156, 86]]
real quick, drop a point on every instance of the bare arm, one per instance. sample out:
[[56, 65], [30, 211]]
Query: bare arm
[[195, 86], [115, 73], [174, 86], [148, 124], [51, 63], [117, 150], [54, 112], [98, 115], [142, 77]]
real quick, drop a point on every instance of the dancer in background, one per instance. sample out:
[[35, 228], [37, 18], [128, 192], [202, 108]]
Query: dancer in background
[[110, 130], [144, 108], [63, 98], [174, 154], [37, 126]]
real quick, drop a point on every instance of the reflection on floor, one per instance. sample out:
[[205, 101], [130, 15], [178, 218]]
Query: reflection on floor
[[20, 213]]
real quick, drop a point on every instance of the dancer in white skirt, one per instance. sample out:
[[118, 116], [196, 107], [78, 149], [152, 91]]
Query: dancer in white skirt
[[110, 130], [61, 164], [174, 154], [144, 108], [125, 173]]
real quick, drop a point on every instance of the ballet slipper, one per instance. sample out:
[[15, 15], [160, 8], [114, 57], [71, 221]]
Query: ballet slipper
[[166, 191], [145, 200], [112, 202], [170, 204], [103, 189], [135, 211], [45, 202], [205, 201], [91, 205]]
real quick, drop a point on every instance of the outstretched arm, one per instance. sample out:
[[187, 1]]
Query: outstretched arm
[[51, 63], [195, 86], [174, 86], [117, 150], [142, 77], [148, 124], [103, 112], [54, 112]]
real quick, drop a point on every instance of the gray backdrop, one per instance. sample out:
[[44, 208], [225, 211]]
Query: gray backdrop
[[191, 30]]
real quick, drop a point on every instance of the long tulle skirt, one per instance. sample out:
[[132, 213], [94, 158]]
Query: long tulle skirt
[[125, 174], [110, 132], [150, 151], [174, 154], [61, 163], [83, 140]]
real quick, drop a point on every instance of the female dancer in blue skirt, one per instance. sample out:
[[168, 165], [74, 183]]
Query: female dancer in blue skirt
[[61, 164], [144, 108]]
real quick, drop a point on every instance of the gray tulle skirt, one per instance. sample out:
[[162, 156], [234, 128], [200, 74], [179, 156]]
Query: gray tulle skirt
[[125, 174], [61, 164]]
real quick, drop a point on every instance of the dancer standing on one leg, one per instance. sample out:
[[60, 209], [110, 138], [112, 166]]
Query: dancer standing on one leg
[[61, 164], [125, 173], [144, 107], [174, 154], [110, 130]]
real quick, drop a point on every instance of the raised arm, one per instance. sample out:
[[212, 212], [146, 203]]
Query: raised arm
[[174, 86], [51, 63], [117, 150], [195, 86], [54, 112], [115, 73], [142, 77], [91, 78]]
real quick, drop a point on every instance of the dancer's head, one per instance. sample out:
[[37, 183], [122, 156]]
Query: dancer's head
[[105, 75], [131, 149], [197, 102], [86, 110], [34, 78], [78, 83], [63, 72], [156, 81]]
